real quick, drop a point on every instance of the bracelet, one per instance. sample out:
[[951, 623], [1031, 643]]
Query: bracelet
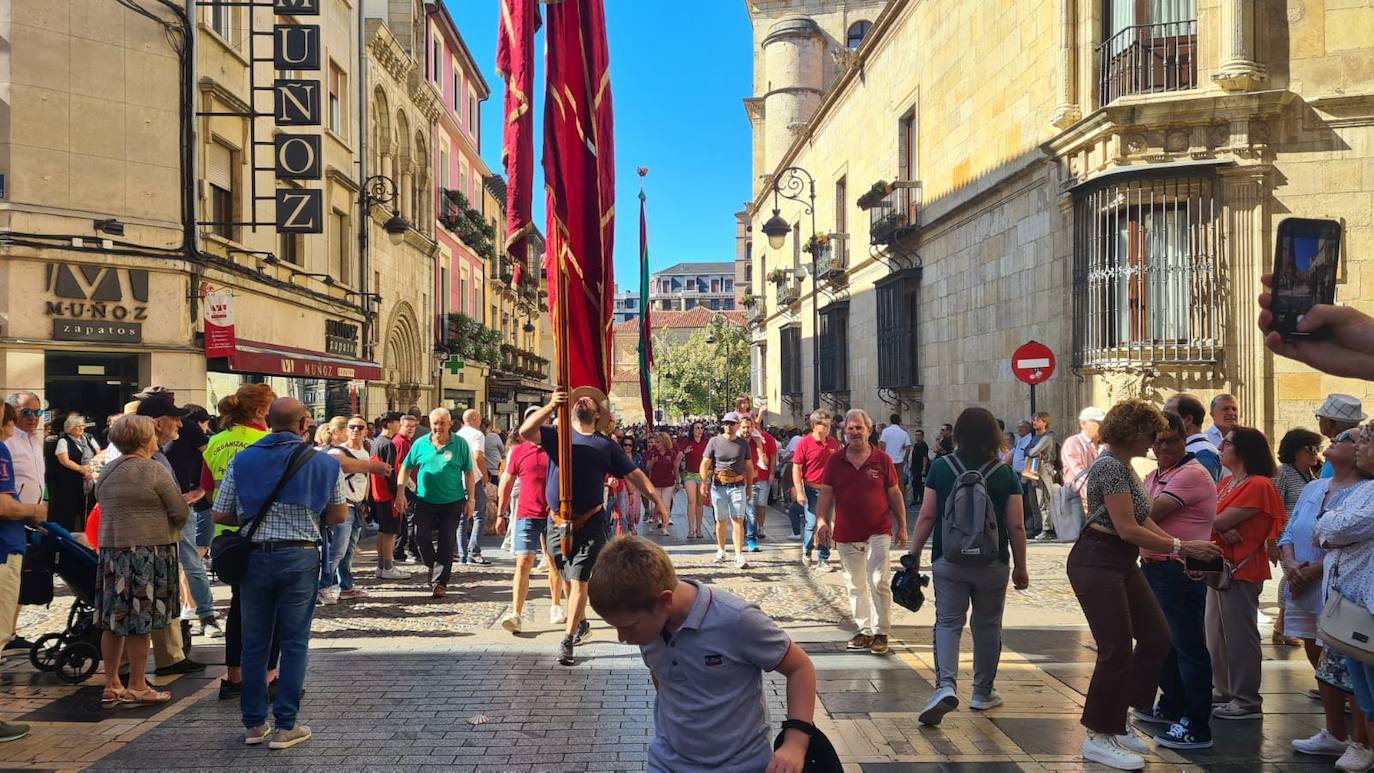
[[798, 724], [1177, 547]]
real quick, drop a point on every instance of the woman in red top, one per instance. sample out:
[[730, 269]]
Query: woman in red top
[[1249, 509], [661, 461], [690, 452]]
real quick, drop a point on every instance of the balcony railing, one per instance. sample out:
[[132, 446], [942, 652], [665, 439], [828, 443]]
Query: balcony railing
[[1148, 58], [756, 314], [833, 261], [523, 364], [789, 291], [893, 216]]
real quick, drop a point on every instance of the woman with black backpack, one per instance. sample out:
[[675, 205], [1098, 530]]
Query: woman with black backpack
[[971, 565]]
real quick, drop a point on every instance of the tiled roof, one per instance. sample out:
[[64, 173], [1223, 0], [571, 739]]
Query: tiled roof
[[698, 317]]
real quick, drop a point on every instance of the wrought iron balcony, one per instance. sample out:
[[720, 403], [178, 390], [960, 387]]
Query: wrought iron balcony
[[789, 291], [893, 215], [1147, 58], [833, 261]]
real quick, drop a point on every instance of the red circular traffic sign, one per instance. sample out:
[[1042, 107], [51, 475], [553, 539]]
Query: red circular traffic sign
[[1033, 363]]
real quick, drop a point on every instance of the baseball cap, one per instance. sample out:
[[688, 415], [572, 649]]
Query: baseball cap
[[730, 418], [157, 406]]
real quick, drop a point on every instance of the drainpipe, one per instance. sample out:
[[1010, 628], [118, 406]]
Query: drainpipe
[[363, 208]]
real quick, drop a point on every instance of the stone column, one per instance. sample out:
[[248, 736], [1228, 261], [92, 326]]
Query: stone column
[[1239, 70], [1246, 366], [1068, 112]]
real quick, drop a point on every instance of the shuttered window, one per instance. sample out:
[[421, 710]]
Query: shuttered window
[[219, 178], [834, 348], [790, 359], [898, 297]]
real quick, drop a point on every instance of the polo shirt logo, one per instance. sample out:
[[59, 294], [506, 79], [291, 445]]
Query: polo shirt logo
[[873, 474], [713, 660]]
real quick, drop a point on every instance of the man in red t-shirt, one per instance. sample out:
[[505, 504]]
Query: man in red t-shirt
[[527, 464], [405, 537], [764, 450], [808, 466], [862, 496]]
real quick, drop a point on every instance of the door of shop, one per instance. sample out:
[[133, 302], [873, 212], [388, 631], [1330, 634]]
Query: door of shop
[[96, 384]]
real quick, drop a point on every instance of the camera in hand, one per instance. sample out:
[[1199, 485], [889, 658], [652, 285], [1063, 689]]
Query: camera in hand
[[1306, 255]]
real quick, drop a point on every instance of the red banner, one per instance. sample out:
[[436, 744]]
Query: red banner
[[579, 172], [515, 64]]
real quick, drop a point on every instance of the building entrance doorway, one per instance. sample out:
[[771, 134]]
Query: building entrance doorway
[[96, 384]]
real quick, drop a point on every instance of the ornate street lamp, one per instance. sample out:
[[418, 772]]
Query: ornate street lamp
[[792, 184], [380, 189]]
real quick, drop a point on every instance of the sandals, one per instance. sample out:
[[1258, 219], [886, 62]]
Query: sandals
[[148, 697], [111, 698]]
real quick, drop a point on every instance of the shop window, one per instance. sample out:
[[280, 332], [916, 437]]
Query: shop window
[[1146, 258]]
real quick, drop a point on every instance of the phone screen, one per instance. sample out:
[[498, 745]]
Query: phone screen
[[1305, 259], [1197, 565]]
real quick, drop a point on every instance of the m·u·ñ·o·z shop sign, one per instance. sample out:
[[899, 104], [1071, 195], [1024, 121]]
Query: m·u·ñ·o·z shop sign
[[297, 102]]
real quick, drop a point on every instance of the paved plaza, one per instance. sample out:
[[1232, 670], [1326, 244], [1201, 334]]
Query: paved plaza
[[402, 682]]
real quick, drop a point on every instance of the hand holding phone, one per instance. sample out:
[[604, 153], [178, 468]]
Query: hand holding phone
[[1306, 254]]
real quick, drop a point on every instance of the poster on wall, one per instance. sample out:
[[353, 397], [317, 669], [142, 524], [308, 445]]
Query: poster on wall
[[219, 324]]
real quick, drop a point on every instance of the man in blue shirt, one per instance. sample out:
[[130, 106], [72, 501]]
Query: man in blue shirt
[[1190, 409], [13, 513], [594, 456]]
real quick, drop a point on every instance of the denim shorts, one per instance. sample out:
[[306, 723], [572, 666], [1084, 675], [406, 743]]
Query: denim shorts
[[760, 498], [205, 527], [529, 536], [729, 502]]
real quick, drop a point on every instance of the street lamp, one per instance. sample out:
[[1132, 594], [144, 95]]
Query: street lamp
[[380, 189], [792, 184]]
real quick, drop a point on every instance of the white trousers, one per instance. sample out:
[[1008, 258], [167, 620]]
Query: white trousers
[[865, 575]]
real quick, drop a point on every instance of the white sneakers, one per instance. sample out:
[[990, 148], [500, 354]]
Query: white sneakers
[[1131, 743], [511, 622], [1357, 758], [1105, 749], [556, 615], [984, 702], [942, 701], [392, 573], [329, 596], [1323, 743], [794, 538], [720, 556], [741, 562]]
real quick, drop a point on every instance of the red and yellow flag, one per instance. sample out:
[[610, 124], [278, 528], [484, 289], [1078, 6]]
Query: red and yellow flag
[[515, 64], [579, 173]]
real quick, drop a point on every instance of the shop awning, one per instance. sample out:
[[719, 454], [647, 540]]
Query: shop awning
[[275, 360]]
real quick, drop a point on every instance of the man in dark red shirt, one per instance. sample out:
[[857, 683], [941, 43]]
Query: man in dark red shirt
[[692, 447], [862, 497], [808, 466], [389, 522]]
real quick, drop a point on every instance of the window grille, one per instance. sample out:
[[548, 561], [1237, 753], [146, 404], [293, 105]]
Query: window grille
[[790, 360], [898, 312], [834, 348]]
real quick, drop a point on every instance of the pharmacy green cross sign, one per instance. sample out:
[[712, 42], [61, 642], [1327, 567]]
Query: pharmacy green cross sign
[[454, 364]]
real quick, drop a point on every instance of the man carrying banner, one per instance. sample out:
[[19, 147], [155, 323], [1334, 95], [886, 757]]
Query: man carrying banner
[[594, 456]]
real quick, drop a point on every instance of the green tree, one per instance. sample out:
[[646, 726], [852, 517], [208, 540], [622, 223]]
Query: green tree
[[696, 378]]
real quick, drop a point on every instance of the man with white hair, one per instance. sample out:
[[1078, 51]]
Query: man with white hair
[[26, 451], [1076, 456], [470, 527], [445, 476], [860, 488]]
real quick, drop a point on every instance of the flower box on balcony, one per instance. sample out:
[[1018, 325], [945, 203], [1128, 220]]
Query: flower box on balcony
[[788, 293]]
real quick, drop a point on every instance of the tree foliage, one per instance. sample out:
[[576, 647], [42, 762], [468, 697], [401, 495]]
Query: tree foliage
[[695, 378]]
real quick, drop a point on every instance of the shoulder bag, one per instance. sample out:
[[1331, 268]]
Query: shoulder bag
[[229, 551], [1345, 626]]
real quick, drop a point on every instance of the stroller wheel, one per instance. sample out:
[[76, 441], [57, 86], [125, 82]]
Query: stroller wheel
[[44, 653], [77, 662]]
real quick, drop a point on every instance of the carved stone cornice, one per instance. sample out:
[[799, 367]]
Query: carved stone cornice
[[1168, 129], [213, 88], [388, 53]]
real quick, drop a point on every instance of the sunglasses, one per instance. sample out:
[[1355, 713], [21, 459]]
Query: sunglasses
[[30, 413], [359, 427]]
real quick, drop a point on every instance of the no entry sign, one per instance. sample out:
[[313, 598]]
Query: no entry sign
[[1033, 363]]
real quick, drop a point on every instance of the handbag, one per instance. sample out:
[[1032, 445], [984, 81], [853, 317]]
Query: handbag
[[1222, 580], [229, 551], [1345, 626]]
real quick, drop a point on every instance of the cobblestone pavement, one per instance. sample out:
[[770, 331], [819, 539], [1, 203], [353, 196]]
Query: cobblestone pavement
[[401, 682]]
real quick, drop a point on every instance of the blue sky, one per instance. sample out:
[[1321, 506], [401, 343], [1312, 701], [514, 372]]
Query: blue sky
[[679, 73]]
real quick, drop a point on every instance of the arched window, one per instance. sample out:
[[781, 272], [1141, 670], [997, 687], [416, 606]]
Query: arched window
[[857, 32]]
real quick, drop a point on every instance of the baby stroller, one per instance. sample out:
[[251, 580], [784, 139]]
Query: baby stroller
[[73, 654]]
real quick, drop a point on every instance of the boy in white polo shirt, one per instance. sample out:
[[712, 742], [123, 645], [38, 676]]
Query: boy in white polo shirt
[[706, 651]]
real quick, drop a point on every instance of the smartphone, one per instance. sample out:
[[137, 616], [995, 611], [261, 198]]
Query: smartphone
[[1198, 565], [1305, 258]]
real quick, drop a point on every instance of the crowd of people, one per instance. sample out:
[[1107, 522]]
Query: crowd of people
[[1168, 568]]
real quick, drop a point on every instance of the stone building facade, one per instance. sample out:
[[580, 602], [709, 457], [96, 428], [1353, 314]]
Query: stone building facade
[[1105, 177]]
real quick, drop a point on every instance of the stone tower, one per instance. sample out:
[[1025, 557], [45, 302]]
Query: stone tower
[[799, 49]]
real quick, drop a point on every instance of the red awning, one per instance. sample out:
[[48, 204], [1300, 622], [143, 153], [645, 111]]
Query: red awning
[[271, 359]]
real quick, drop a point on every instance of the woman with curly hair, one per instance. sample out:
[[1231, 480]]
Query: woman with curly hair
[[1127, 624]]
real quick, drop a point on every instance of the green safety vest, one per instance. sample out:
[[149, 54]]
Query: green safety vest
[[221, 450]]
